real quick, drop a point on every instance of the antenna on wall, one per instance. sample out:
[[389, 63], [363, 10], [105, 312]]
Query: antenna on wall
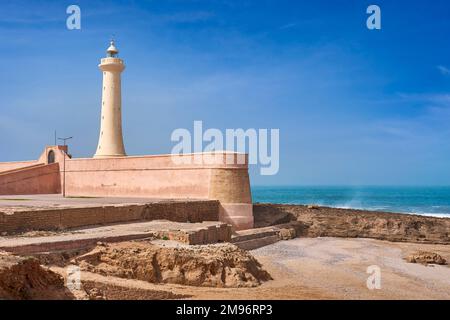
[[55, 139]]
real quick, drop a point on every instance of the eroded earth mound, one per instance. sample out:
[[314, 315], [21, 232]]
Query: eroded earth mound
[[24, 278], [218, 265]]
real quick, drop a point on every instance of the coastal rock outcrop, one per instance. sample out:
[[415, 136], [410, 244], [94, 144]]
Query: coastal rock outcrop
[[349, 223], [424, 257]]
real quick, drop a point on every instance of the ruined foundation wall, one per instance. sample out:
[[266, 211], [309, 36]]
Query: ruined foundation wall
[[179, 211]]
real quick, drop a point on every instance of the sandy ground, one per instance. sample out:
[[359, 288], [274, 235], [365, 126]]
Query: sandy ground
[[335, 268]]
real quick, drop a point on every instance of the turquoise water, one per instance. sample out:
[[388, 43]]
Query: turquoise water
[[434, 201]]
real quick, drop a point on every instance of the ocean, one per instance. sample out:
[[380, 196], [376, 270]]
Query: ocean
[[431, 201]]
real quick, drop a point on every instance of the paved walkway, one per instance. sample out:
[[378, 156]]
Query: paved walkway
[[52, 201]]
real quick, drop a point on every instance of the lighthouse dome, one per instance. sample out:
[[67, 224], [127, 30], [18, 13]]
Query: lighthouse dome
[[112, 50]]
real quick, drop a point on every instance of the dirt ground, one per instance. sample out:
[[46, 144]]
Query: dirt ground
[[305, 268], [336, 268]]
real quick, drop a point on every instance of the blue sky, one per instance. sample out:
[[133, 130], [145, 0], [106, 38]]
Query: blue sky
[[353, 106]]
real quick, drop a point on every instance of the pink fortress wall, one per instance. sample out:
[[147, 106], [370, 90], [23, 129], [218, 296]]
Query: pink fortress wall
[[154, 177], [195, 176], [204, 176], [59, 154], [33, 177], [144, 176], [6, 166], [42, 179]]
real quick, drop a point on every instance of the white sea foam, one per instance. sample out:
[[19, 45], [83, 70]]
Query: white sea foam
[[436, 215], [391, 210]]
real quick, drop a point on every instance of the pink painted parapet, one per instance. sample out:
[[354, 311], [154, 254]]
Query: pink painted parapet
[[196, 176], [36, 179], [7, 166]]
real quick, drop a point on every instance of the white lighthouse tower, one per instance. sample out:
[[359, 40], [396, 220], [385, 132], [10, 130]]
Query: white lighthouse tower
[[110, 142]]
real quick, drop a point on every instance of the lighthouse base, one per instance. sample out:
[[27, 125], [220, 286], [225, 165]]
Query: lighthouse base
[[98, 156]]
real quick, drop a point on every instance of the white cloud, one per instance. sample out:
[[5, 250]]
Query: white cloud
[[187, 17], [289, 26], [429, 125], [443, 70]]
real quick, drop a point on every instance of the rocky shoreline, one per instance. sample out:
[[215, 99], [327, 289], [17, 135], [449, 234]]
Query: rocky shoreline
[[316, 221]]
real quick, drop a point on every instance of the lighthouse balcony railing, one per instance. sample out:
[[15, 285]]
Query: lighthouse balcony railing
[[111, 59]]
